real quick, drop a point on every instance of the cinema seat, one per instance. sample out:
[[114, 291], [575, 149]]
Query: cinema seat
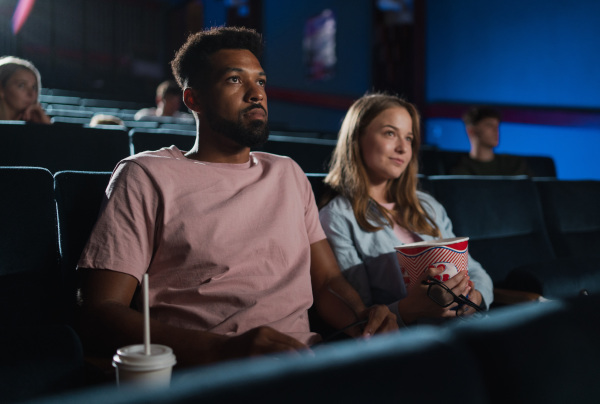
[[78, 198], [501, 216], [153, 139], [62, 147], [537, 352], [572, 214], [29, 275], [41, 353], [407, 367]]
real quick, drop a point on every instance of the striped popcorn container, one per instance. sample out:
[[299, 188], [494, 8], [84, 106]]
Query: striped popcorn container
[[450, 254]]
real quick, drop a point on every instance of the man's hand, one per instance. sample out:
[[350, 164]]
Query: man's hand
[[260, 341], [381, 320]]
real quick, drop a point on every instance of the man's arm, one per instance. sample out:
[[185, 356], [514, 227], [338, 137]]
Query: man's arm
[[337, 302], [107, 323]]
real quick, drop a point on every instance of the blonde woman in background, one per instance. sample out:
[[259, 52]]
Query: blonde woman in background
[[20, 84]]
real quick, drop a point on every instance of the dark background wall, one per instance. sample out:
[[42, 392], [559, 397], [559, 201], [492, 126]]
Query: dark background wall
[[536, 60]]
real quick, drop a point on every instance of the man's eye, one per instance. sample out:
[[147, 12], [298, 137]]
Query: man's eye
[[234, 79]]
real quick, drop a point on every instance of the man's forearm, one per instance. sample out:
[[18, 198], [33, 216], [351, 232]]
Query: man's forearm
[[339, 304], [109, 326]]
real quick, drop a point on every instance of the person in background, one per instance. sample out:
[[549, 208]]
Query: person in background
[[20, 84], [104, 119], [168, 103], [230, 239], [482, 125], [373, 205]]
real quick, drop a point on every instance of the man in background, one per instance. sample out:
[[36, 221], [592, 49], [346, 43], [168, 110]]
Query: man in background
[[482, 125], [168, 103]]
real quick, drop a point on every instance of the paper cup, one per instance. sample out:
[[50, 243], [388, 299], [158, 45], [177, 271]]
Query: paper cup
[[451, 254], [134, 366]]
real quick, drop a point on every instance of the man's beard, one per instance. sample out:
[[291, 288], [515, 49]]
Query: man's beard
[[254, 134]]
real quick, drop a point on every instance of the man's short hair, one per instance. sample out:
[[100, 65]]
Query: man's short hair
[[474, 115], [192, 64], [167, 87]]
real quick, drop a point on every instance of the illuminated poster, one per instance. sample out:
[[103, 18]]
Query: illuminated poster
[[319, 46]]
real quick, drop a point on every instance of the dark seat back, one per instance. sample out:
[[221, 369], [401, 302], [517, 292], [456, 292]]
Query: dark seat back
[[540, 352], [541, 166], [29, 274], [501, 215], [154, 139], [572, 214], [312, 155], [62, 147], [78, 196]]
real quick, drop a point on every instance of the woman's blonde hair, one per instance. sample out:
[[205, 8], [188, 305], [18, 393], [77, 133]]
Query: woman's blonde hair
[[8, 66], [348, 175]]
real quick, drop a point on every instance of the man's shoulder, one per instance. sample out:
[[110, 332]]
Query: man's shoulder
[[153, 160], [509, 157], [277, 161], [149, 156]]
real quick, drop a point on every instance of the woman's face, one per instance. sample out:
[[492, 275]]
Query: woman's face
[[386, 145], [20, 91]]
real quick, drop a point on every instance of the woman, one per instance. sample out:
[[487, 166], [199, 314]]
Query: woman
[[20, 83], [375, 206]]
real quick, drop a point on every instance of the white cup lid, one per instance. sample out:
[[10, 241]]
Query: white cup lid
[[134, 357]]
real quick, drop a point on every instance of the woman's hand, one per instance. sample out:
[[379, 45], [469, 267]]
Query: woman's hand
[[475, 297], [418, 305], [36, 114]]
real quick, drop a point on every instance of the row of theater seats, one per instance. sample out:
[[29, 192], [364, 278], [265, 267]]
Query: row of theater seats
[[434, 161], [74, 147], [539, 235], [99, 149], [546, 229], [79, 109]]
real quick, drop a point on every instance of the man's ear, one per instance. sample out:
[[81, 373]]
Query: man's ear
[[191, 100], [471, 131]]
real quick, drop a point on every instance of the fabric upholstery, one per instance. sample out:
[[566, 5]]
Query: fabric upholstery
[[29, 276], [538, 352], [62, 147], [153, 139], [78, 198], [501, 216], [572, 214], [411, 366]]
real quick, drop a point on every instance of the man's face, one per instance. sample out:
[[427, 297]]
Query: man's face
[[487, 131], [235, 103]]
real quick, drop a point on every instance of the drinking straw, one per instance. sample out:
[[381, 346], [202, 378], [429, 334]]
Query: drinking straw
[[146, 315]]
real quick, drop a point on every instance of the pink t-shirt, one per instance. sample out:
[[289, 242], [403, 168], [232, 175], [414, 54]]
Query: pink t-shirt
[[226, 246]]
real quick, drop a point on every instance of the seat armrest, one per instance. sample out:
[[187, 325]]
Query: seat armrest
[[508, 296]]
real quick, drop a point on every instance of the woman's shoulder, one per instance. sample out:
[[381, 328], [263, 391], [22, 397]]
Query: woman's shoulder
[[338, 204]]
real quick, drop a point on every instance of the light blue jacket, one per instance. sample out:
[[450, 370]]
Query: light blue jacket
[[368, 259]]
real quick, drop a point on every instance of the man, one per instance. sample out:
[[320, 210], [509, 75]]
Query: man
[[231, 240], [168, 102], [483, 129]]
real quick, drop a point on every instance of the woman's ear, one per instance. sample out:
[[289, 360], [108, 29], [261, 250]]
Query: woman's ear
[[191, 100]]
